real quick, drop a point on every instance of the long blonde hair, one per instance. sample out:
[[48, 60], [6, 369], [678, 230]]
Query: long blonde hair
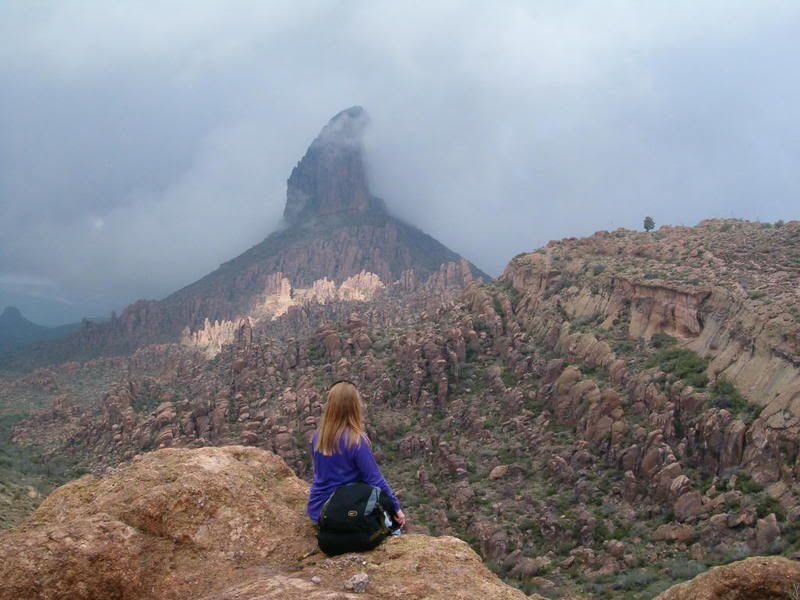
[[343, 416]]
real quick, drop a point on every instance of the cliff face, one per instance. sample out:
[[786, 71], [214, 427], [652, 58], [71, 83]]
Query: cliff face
[[215, 523], [725, 289], [335, 230], [331, 178]]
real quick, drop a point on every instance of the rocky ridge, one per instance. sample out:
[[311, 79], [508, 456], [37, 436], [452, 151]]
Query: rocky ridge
[[222, 523], [726, 289]]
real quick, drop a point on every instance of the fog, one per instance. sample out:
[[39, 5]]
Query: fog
[[142, 144]]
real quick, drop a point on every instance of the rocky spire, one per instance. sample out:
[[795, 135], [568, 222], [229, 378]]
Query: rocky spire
[[331, 178]]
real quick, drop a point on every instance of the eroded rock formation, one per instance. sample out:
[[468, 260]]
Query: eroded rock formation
[[215, 523]]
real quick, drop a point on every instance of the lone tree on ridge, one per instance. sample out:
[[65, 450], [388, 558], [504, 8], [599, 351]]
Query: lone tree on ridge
[[649, 224]]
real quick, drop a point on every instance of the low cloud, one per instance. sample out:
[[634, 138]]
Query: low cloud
[[143, 146]]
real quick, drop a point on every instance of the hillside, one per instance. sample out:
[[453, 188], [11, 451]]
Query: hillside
[[17, 332], [588, 422], [335, 230]]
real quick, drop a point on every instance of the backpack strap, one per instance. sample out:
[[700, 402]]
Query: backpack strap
[[372, 501]]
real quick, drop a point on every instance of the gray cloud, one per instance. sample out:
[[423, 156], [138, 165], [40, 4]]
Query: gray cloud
[[142, 145]]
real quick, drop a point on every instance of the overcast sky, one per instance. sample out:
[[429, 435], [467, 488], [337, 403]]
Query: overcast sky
[[144, 143]]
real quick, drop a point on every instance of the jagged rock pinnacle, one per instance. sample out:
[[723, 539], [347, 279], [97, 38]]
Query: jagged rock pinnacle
[[331, 178]]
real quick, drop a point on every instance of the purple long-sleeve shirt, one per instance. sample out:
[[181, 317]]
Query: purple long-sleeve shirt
[[349, 465]]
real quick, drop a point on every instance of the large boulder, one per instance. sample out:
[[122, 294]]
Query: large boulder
[[759, 578], [226, 522]]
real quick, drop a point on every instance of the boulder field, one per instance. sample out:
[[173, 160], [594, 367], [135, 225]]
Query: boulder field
[[228, 523]]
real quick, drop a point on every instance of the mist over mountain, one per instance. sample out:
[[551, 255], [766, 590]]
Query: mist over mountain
[[17, 332], [336, 233], [148, 159]]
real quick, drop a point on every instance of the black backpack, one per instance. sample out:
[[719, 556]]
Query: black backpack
[[353, 519]]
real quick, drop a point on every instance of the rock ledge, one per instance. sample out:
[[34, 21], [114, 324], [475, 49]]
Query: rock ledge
[[214, 523]]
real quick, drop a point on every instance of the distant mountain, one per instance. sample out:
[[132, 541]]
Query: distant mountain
[[335, 230], [17, 332]]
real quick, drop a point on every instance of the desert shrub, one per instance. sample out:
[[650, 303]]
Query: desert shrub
[[791, 533], [508, 377], [739, 551], [145, 401], [684, 364], [746, 485], [768, 505], [633, 580], [600, 532], [564, 281], [471, 539], [316, 353], [623, 346], [498, 306], [685, 569], [662, 340], [725, 395], [598, 268], [623, 531]]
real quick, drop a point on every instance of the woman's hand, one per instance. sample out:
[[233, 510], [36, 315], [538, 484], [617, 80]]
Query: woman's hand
[[400, 517]]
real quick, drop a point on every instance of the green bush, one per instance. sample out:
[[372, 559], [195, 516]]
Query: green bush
[[768, 505], [600, 532], [725, 395], [623, 346], [684, 364], [746, 485], [662, 340]]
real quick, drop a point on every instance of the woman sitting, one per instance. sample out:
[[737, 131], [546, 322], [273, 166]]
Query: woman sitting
[[342, 455]]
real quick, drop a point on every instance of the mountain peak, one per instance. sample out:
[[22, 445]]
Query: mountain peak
[[346, 128], [331, 178]]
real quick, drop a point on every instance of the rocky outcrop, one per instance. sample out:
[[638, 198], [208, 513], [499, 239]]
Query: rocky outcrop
[[331, 177], [211, 337], [689, 283], [215, 523], [759, 578]]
